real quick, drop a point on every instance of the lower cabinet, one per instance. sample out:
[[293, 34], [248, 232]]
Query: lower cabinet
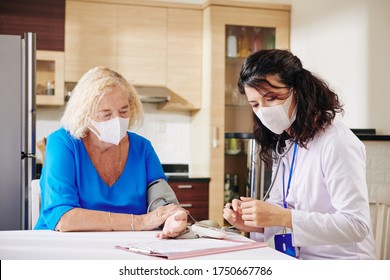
[[193, 196]]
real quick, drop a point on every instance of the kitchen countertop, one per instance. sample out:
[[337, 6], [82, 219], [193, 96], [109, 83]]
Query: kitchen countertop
[[373, 137], [362, 134], [188, 179]]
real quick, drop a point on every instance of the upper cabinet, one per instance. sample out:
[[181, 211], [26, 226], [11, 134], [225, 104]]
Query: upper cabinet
[[184, 56], [142, 44], [90, 37], [226, 110], [153, 46]]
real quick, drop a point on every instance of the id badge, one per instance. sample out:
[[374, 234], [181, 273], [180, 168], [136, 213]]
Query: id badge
[[283, 243]]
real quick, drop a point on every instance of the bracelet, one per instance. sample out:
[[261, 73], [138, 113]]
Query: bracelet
[[109, 220], [132, 222]]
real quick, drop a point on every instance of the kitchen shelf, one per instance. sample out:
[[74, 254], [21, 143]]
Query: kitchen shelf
[[50, 67]]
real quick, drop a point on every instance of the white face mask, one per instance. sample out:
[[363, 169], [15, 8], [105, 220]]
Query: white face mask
[[276, 118], [111, 131]]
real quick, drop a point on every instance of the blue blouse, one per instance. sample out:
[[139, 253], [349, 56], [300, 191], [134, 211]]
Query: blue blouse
[[69, 179]]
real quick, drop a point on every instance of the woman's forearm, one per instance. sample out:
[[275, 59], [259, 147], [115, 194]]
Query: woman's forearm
[[79, 219]]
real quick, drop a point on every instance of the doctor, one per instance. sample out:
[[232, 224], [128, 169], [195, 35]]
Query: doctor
[[318, 204]]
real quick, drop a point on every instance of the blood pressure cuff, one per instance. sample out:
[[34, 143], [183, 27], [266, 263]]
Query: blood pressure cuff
[[159, 193]]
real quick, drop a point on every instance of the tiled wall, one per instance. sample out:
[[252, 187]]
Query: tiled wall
[[169, 133], [378, 166], [378, 170]]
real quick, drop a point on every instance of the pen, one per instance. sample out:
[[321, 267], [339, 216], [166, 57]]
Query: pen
[[141, 250]]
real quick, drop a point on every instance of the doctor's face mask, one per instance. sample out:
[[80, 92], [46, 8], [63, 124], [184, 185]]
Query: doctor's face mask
[[276, 118]]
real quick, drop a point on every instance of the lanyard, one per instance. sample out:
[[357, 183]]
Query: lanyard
[[280, 156], [285, 193]]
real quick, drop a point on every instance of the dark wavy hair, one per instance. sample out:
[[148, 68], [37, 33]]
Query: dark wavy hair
[[317, 104]]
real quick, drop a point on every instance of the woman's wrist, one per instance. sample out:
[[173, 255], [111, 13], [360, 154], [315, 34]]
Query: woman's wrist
[[286, 218]]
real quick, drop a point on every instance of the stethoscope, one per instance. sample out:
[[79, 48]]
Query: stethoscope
[[279, 160]]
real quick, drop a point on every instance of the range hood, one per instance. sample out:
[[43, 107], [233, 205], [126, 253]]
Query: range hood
[[146, 93], [153, 94], [165, 98]]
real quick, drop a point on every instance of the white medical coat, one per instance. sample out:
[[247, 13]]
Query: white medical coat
[[328, 197]]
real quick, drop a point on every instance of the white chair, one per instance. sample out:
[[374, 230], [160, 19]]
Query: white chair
[[35, 201], [382, 231]]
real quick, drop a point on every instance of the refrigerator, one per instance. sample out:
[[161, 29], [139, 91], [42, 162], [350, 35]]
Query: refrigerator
[[17, 126], [243, 165]]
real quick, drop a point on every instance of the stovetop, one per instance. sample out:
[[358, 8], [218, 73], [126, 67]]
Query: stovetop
[[176, 170]]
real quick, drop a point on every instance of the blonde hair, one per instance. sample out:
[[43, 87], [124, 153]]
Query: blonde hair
[[85, 98]]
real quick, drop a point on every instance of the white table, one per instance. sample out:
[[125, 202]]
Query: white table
[[45, 244]]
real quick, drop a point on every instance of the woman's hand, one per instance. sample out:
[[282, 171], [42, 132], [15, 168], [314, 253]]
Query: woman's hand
[[174, 225], [257, 213], [156, 218], [232, 212]]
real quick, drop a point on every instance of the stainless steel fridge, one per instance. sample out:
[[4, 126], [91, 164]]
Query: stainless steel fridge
[[17, 126], [243, 163]]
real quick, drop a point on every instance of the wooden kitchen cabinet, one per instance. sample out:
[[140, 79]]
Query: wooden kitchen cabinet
[[150, 44], [142, 44], [207, 155], [193, 195], [90, 37], [184, 57], [50, 78]]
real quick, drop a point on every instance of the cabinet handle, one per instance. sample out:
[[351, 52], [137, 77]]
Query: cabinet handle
[[186, 205], [184, 186]]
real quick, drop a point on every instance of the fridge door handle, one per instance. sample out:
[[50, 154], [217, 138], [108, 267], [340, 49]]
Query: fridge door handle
[[27, 155]]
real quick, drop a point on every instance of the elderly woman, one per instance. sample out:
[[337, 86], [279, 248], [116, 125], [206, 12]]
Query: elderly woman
[[96, 172]]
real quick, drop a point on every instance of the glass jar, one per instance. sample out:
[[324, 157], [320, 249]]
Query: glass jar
[[49, 88], [231, 48]]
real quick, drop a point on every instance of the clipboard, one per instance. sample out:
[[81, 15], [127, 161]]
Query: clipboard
[[172, 249]]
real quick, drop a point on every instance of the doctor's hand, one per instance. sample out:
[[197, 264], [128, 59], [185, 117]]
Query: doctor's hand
[[257, 213], [232, 212]]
